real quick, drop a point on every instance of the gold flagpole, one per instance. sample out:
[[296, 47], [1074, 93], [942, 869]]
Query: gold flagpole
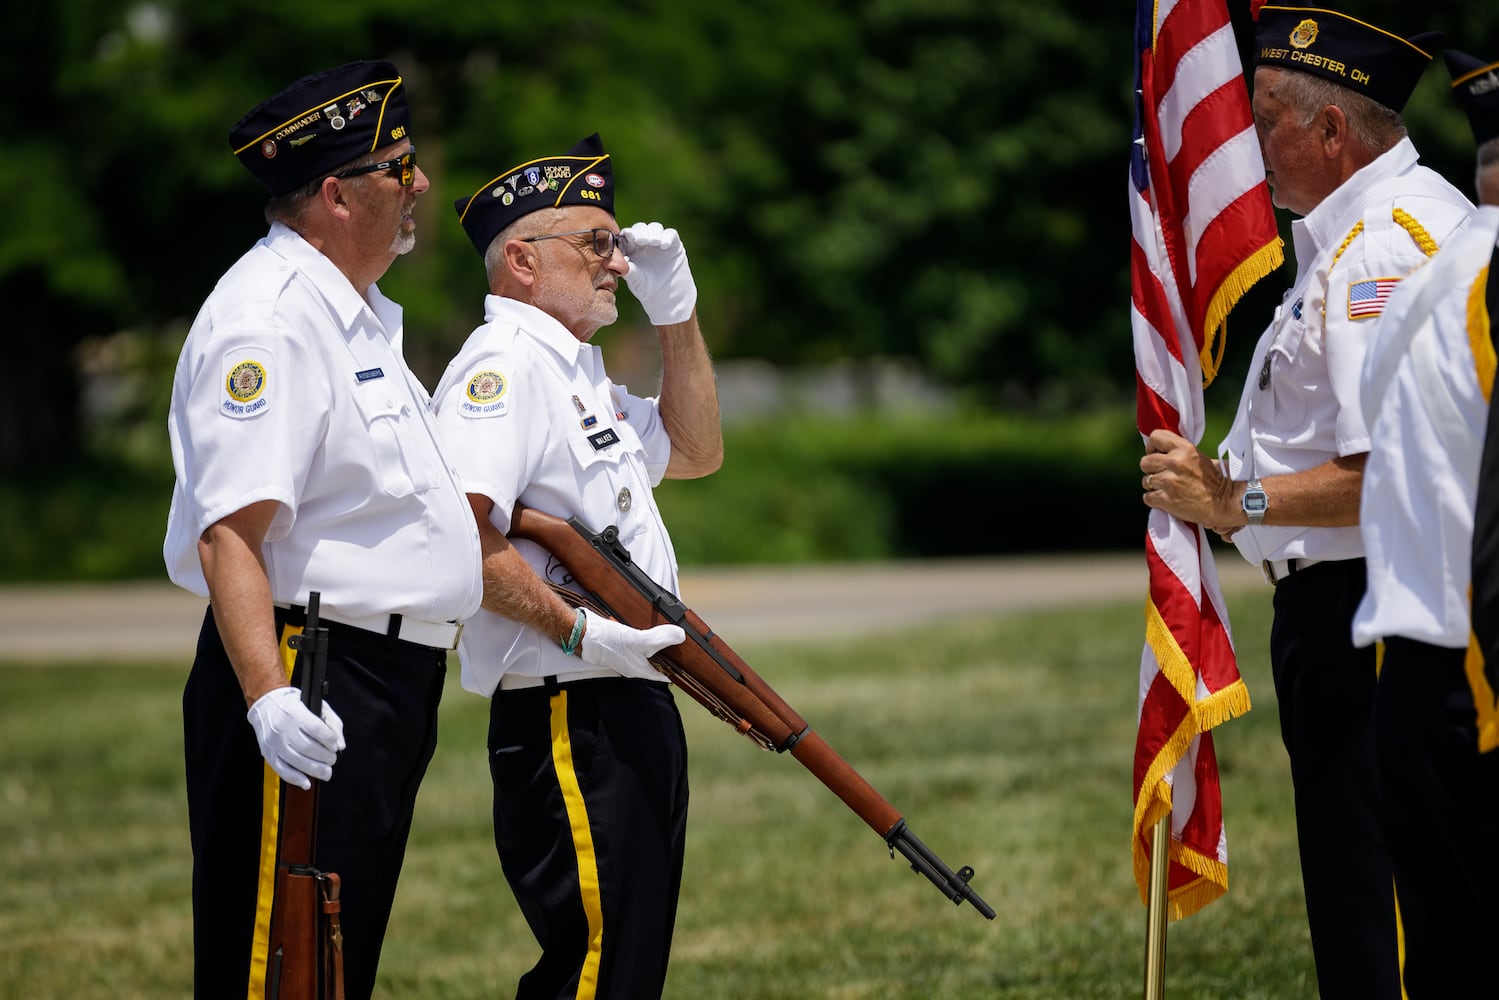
[[1155, 920]]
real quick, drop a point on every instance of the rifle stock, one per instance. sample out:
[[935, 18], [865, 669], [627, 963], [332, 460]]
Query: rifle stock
[[305, 959], [705, 667]]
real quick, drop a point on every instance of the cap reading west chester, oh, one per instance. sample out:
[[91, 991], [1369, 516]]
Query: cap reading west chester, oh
[[1336, 47]]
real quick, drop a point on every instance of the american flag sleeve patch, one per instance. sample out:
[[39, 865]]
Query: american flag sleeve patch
[[1366, 299]]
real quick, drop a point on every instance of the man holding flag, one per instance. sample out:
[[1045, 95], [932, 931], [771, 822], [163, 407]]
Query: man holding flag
[[1328, 90]]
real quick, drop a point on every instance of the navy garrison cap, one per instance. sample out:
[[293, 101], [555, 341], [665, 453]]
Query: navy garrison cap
[[582, 177], [321, 122], [1476, 84], [1336, 47]]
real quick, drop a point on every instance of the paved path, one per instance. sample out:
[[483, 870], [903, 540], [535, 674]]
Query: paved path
[[153, 621]]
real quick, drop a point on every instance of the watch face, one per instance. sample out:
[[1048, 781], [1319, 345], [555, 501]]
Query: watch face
[[1255, 503]]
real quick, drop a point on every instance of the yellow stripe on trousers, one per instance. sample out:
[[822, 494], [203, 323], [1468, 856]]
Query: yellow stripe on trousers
[[270, 825], [588, 866]]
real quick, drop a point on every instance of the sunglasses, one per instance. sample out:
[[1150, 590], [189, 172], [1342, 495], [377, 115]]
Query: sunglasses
[[405, 163], [604, 240]]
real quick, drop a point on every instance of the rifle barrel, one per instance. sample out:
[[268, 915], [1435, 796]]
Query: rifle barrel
[[709, 669], [954, 885]]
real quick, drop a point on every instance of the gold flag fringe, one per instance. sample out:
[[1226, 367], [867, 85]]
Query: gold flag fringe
[[1155, 798], [1215, 337]]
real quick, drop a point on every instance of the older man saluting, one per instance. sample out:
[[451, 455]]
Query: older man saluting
[[586, 749]]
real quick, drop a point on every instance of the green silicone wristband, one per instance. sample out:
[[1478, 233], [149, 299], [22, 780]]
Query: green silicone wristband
[[570, 644]]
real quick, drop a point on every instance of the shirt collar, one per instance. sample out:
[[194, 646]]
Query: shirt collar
[[539, 325], [331, 283], [1328, 224]]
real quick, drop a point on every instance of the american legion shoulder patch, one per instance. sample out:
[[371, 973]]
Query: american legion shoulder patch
[[484, 394], [246, 383]]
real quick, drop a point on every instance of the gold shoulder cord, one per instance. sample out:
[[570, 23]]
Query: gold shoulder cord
[[1479, 337], [1405, 221]]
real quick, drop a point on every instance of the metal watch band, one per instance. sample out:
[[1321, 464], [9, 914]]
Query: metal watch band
[[1254, 501]]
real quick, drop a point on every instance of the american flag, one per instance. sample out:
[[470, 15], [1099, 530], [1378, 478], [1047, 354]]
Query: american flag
[[1204, 232], [1366, 299]]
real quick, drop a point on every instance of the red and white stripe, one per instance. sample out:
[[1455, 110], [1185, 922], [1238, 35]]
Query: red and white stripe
[[1203, 232]]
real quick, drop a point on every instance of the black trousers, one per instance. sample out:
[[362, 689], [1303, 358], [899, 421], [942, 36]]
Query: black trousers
[[590, 822], [1325, 688], [1441, 820], [387, 693]]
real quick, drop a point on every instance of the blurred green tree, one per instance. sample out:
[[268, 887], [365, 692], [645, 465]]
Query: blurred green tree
[[936, 179]]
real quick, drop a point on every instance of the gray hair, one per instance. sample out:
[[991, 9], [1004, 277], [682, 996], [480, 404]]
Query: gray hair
[[1488, 154], [290, 207], [530, 224], [1375, 126], [1486, 177]]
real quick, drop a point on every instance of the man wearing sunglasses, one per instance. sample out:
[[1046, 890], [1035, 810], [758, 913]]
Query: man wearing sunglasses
[[306, 462], [586, 749]]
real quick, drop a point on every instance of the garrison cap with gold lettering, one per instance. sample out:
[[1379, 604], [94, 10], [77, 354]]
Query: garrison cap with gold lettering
[[582, 177], [321, 122], [1476, 84], [1361, 57]]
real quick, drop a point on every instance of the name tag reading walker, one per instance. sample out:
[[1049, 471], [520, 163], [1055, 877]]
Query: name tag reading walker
[[368, 374], [603, 439]]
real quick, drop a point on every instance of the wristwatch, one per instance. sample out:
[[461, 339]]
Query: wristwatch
[[1254, 501]]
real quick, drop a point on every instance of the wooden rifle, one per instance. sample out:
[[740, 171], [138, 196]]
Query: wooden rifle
[[306, 960], [714, 675]]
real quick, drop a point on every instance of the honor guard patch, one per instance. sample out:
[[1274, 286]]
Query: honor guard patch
[[1366, 299], [245, 380], [485, 394]]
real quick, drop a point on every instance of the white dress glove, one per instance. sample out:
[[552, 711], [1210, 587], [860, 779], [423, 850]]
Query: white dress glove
[[297, 744], [608, 643], [659, 277]]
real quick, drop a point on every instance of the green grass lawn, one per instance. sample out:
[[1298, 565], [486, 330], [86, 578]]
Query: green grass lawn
[[1006, 743]]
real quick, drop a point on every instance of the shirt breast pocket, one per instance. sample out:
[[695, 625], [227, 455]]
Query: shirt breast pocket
[[599, 462], [1282, 393], [596, 452], [400, 467]]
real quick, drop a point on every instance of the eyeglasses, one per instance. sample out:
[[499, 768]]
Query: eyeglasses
[[604, 240], [405, 163]]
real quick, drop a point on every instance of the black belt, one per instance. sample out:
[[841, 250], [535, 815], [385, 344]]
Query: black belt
[[1276, 570], [433, 635]]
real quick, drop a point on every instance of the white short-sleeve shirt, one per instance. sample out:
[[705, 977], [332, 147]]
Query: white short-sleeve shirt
[[532, 417], [291, 388], [1300, 405], [1428, 415]]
